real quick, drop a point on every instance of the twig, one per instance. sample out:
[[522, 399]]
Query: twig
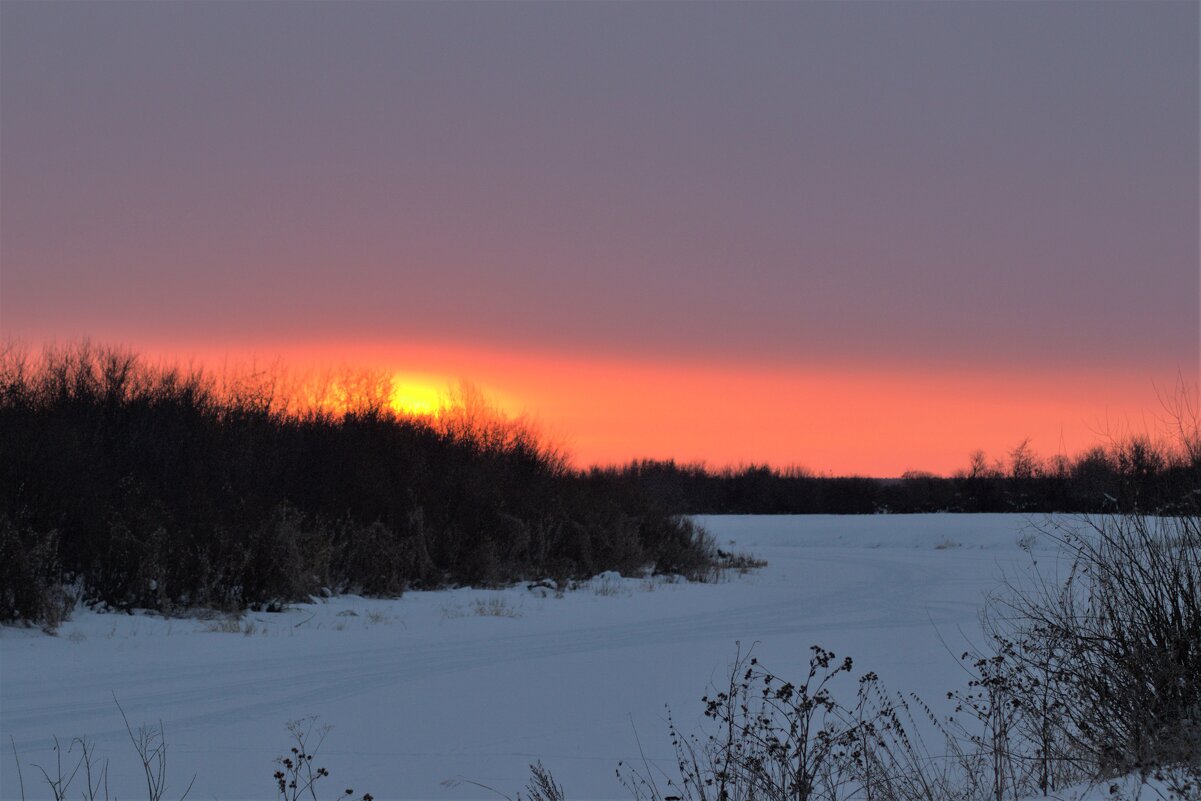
[[20, 778]]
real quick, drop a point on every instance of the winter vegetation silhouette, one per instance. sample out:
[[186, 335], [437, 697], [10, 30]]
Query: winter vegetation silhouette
[[130, 485], [1143, 472], [164, 487]]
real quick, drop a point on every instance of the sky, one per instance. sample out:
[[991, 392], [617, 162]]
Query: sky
[[859, 237]]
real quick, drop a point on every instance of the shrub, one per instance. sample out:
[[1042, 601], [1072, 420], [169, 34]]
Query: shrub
[[774, 739], [31, 583], [681, 548], [1116, 643], [297, 776], [375, 560]]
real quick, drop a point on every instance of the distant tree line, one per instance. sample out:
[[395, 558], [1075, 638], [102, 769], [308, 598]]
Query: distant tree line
[[154, 486], [1136, 474]]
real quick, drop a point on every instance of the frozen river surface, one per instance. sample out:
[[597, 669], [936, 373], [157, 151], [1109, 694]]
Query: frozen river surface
[[431, 692]]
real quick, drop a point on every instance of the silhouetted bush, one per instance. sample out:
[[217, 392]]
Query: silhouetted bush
[[1115, 642], [31, 584], [168, 488], [684, 549]]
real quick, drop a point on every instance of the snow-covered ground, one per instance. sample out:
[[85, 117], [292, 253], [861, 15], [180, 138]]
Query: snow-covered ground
[[431, 692]]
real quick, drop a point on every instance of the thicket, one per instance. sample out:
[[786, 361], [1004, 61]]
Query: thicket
[[161, 487], [1131, 473], [1109, 643]]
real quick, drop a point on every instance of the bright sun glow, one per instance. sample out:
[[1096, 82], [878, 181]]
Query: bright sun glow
[[416, 395]]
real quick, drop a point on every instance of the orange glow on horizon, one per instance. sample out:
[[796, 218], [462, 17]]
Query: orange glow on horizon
[[875, 420]]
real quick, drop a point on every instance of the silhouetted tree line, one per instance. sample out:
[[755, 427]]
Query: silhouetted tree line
[[1137, 474], [159, 487]]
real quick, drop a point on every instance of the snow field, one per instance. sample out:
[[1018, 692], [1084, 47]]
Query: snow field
[[431, 692]]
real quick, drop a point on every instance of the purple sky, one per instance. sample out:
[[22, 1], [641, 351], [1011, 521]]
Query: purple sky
[[990, 186]]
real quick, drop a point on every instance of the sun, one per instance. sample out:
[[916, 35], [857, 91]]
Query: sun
[[416, 396]]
